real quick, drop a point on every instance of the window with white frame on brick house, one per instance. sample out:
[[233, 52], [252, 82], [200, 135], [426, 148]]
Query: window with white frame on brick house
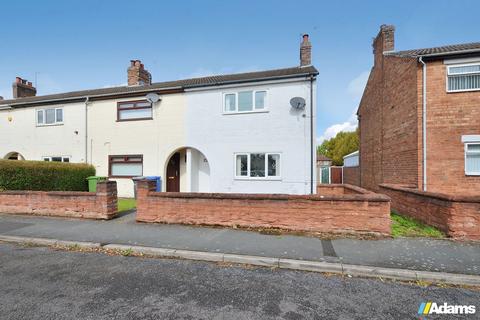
[[472, 158], [49, 116], [245, 101], [257, 165], [464, 77]]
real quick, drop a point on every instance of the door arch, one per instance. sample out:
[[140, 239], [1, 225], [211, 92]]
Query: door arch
[[14, 156], [187, 170]]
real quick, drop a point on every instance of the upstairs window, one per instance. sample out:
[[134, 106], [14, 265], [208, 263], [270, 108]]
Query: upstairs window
[[134, 110], [51, 116], [245, 101], [257, 165], [464, 77]]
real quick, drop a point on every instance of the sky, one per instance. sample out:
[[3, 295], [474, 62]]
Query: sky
[[75, 45]]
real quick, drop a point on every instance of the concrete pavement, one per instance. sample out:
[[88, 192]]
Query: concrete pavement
[[411, 254]]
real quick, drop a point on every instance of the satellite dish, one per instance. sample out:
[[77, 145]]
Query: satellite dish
[[297, 103], [153, 97]]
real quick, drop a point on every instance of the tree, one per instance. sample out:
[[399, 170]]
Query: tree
[[339, 146]]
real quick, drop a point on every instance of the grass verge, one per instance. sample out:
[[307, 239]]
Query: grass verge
[[125, 204], [408, 227]]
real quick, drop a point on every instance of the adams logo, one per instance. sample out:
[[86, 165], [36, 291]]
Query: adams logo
[[445, 308]]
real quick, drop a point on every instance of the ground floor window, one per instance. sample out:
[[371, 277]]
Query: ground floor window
[[257, 165], [125, 166], [56, 158], [472, 158]]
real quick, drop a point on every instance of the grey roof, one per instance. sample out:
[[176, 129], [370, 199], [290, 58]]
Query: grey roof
[[439, 51], [177, 84]]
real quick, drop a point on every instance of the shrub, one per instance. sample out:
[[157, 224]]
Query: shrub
[[44, 176]]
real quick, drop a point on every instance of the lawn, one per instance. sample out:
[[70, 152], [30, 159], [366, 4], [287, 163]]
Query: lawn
[[407, 227], [125, 204]]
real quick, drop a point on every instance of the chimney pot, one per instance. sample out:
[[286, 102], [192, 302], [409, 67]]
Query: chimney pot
[[18, 80], [305, 51]]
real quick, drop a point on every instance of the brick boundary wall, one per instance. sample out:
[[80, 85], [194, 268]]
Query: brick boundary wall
[[457, 216], [351, 175], [349, 210], [72, 204]]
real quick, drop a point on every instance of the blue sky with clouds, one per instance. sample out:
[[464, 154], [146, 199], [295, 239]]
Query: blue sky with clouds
[[74, 45]]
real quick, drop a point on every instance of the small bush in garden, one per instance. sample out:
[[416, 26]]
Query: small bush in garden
[[44, 176]]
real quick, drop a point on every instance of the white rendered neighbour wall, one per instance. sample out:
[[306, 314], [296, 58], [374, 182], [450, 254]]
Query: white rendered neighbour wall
[[19, 132]]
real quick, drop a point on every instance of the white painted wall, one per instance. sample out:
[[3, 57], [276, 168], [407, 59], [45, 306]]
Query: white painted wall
[[280, 129], [155, 139], [19, 132], [351, 160]]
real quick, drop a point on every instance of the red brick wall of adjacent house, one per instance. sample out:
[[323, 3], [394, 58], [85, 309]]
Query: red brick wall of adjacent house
[[99, 205], [349, 211], [389, 124], [449, 116], [458, 216], [351, 175]]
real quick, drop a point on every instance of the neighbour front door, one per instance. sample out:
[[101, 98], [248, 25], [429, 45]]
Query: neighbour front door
[[173, 173]]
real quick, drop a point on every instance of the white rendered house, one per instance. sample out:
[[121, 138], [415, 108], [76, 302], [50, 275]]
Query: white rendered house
[[239, 133]]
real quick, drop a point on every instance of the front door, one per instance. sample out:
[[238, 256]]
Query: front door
[[173, 173]]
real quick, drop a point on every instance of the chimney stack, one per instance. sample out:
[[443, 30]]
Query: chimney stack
[[23, 88], [138, 75], [305, 52], [384, 41]]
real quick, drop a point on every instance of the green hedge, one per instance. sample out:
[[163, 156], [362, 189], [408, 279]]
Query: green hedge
[[44, 176]]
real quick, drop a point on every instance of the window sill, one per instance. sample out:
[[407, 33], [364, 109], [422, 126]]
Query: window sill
[[50, 125], [259, 179], [244, 112], [472, 174], [465, 90], [139, 119]]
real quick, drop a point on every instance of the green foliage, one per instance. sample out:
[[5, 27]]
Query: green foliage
[[407, 227], [44, 176], [125, 204], [339, 146]]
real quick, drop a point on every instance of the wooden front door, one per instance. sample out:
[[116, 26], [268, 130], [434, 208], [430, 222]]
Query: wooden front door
[[173, 173]]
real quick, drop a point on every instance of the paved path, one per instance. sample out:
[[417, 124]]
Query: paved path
[[414, 254], [41, 283]]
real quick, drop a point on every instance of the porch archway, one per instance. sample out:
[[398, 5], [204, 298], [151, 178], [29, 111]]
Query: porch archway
[[187, 170]]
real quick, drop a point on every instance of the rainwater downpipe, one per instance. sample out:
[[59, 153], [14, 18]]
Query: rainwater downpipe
[[86, 129], [424, 121], [311, 136]]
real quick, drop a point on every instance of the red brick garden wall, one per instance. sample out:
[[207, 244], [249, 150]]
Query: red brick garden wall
[[99, 205], [458, 216], [350, 210]]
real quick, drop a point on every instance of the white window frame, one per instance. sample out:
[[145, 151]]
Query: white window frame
[[248, 177], [49, 158], [470, 152], [254, 109], [458, 74], [56, 123]]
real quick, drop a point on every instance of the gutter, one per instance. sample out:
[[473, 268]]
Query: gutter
[[424, 121]]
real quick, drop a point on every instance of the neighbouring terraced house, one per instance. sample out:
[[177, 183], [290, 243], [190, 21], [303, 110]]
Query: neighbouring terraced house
[[239, 133], [419, 121], [419, 117]]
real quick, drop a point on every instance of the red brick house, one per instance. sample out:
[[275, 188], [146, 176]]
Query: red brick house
[[419, 121]]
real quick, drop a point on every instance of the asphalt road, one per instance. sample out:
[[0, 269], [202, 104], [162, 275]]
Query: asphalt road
[[42, 283]]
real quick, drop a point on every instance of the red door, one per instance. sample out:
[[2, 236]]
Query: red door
[[173, 173], [336, 173]]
